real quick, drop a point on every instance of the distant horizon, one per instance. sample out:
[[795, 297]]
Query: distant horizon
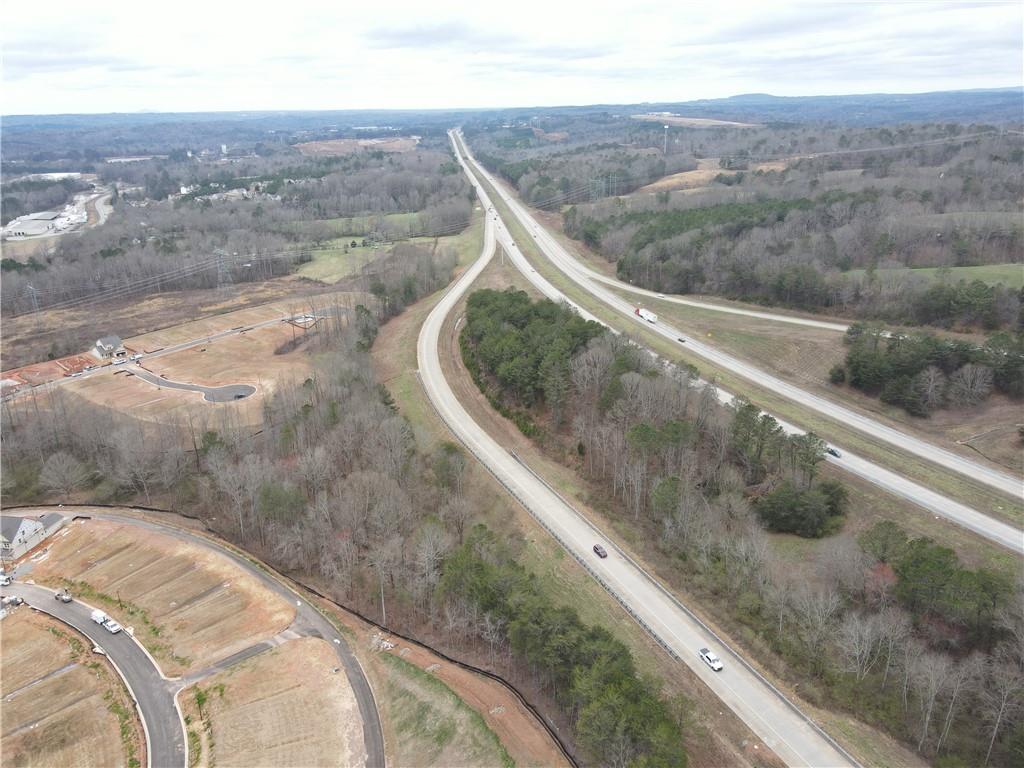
[[126, 58], [581, 105]]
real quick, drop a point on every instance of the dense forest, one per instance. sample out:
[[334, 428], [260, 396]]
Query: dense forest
[[894, 629], [814, 217], [333, 488], [159, 238]]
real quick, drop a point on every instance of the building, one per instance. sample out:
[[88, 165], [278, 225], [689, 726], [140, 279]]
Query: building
[[109, 346], [19, 535]]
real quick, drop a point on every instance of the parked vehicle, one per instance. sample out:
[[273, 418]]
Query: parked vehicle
[[711, 659], [5, 580], [600, 551], [12, 601], [106, 622], [647, 315]]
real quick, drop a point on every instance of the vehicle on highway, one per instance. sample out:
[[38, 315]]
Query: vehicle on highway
[[64, 596], [600, 551], [711, 659], [121, 361], [75, 375], [647, 315], [135, 357], [661, 295], [680, 339], [106, 622], [833, 452]]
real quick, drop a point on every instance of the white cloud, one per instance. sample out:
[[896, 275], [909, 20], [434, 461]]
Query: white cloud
[[313, 54]]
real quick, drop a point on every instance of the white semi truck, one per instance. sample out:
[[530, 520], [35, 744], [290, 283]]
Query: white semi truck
[[647, 315]]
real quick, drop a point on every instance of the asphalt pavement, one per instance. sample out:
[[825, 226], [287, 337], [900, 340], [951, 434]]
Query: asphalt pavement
[[223, 394], [777, 721], [995, 530], [155, 693], [165, 737]]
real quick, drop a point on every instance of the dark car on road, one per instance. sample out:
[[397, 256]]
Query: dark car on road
[[600, 551]]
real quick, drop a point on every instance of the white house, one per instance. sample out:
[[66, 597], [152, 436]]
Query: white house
[[19, 535], [109, 346]]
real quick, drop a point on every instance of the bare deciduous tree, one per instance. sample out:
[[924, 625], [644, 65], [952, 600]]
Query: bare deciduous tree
[[969, 385], [63, 473]]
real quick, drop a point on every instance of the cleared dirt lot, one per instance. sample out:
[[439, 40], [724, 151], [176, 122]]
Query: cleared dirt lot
[[33, 338], [339, 147], [264, 358], [62, 705], [285, 707], [189, 606]]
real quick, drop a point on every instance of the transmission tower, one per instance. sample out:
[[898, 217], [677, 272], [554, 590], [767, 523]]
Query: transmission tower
[[224, 281], [33, 295]]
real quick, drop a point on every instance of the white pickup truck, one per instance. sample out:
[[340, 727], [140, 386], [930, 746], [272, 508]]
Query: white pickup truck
[[106, 622]]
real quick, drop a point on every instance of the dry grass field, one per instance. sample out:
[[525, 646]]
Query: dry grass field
[[339, 147], [426, 724], [62, 705], [692, 122], [33, 338], [189, 605], [702, 176], [519, 732], [285, 707]]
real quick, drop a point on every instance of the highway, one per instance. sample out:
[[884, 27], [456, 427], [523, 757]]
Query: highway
[[995, 530], [584, 277], [777, 721], [154, 694], [152, 690]]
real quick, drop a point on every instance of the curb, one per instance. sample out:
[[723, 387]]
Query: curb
[[135, 700]]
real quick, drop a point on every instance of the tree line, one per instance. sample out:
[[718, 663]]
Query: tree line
[[151, 245], [332, 488], [923, 373], [895, 630], [835, 234]]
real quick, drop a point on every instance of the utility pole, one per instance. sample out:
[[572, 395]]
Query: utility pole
[[664, 152]]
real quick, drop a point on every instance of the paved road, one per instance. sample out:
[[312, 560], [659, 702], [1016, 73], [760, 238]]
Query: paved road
[[995, 530], [308, 622], [224, 394], [110, 370], [165, 739], [766, 711]]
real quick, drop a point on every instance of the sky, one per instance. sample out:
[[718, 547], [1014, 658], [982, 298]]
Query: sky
[[214, 55]]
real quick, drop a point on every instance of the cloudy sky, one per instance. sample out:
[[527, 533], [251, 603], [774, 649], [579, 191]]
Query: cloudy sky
[[188, 55]]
